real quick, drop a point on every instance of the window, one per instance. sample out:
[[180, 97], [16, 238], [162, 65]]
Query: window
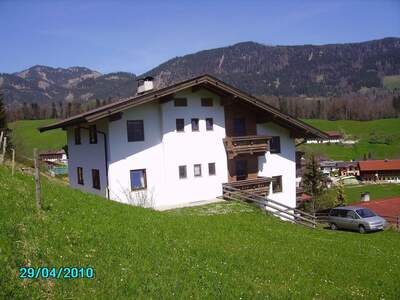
[[277, 184], [195, 124], [77, 132], [96, 179], [79, 172], [180, 102], [239, 126], [197, 170], [180, 125], [135, 130], [138, 179], [211, 169], [209, 124], [206, 102], [182, 172], [275, 144], [92, 134]]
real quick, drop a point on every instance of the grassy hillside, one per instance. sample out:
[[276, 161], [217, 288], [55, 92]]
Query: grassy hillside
[[26, 137], [376, 191], [379, 137], [391, 82], [220, 251]]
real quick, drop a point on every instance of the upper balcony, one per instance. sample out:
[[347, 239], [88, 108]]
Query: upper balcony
[[249, 144]]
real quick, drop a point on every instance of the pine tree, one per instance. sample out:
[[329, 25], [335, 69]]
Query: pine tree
[[313, 181], [340, 196]]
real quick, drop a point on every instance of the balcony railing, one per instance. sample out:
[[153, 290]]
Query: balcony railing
[[246, 145], [259, 186]]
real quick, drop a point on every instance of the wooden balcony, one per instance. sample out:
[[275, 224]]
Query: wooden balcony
[[259, 186], [249, 144]]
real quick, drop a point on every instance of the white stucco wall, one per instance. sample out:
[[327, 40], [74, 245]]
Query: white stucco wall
[[283, 163], [189, 148], [126, 156], [87, 156], [164, 150]]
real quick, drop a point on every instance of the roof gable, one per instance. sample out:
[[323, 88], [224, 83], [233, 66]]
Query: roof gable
[[205, 81]]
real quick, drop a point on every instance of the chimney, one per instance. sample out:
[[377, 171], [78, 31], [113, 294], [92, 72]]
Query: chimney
[[145, 85]]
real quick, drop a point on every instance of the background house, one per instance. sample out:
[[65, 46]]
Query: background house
[[380, 170]]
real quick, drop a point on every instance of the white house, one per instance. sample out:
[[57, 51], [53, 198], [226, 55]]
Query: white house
[[179, 144], [333, 137]]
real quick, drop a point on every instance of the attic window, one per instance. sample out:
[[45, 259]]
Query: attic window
[[92, 134], [206, 102], [77, 133], [135, 130], [180, 102]]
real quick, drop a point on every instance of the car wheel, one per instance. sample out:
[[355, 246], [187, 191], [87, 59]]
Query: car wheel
[[361, 229], [333, 226]]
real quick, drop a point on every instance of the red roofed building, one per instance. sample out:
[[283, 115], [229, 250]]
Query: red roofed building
[[380, 170]]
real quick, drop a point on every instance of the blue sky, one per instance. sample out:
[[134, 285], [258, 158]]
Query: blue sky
[[136, 36]]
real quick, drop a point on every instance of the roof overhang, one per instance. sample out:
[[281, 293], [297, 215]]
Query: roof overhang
[[297, 126]]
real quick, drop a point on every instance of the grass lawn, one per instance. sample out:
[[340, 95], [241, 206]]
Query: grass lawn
[[377, 191], [227, 250], [26, 137], [384, 130]]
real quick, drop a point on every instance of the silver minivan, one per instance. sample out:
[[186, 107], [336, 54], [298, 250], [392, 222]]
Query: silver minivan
[[356, 218]]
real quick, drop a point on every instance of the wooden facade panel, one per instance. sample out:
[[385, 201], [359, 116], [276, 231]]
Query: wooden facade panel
[[236, 111]]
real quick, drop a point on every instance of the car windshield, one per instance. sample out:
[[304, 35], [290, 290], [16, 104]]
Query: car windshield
[[365, 213]]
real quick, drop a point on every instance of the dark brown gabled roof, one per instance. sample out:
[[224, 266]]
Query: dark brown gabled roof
[[204, 80]]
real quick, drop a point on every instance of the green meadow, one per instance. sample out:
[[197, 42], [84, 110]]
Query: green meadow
[[219, 251]]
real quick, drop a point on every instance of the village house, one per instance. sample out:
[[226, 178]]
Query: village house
[[348, 168], [333, 137], [380, 170], [57, 156], [179, 144]]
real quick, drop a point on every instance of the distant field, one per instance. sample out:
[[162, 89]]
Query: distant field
[[391, 82], [376, 191], [379, 137], [26, 137]]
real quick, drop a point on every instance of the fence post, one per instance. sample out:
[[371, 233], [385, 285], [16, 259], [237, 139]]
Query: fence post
[[1, 137], [3, 155], [12, 161], [37, 180]]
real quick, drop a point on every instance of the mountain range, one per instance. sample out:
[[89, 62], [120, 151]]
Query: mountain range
[[306, 70]]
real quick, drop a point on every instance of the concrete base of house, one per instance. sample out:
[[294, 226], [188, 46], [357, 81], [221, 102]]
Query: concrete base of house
[[190, 204]]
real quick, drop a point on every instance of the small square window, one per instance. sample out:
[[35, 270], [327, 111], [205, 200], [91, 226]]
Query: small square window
[[211, 169], [135, 130], [77, 133], [92, 134], [182, 172], [195, 124], [277, 184], [275, 144], [180, 125], [206, 102], [209, 124], [197, 170], [138, 179], [180, 102], [79, 172], [96, 179]]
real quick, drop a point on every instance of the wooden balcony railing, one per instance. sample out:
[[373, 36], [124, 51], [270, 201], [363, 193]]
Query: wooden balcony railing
[[246, 145], [259, 186]]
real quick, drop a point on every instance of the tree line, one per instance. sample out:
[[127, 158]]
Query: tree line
[[368, 105]]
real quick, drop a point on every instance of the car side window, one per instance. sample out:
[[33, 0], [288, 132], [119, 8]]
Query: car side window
[[351, 215], [343, 213]]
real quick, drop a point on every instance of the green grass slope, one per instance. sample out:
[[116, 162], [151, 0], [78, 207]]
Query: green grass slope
[[219, 251], [26, 137], [391, 82], [379, 137]]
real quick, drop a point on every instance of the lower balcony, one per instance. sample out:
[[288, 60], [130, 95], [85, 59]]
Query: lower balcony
[[259, 186], [249, 144]]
